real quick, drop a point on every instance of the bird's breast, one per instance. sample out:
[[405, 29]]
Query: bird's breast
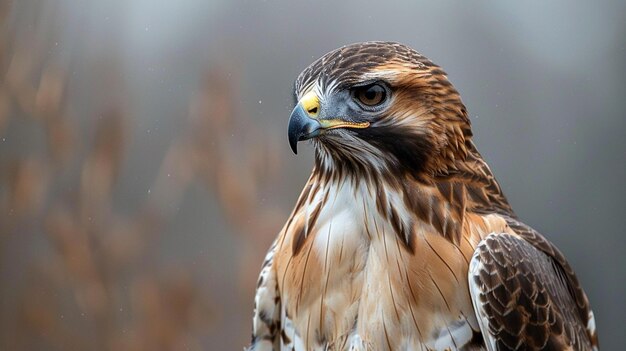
[[346, 279]]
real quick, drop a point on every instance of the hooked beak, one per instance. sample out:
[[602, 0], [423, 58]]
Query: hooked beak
[[304, 123], [301, 127]]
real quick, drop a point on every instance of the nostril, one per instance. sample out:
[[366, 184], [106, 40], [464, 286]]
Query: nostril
[[312, 110]]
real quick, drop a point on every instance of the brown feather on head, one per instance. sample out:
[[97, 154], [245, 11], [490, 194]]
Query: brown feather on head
[[420, 129]]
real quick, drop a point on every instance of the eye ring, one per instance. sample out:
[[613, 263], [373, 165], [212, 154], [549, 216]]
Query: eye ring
[[370, 96]]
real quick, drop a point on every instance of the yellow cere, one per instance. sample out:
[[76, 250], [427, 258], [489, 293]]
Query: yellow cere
[[311, 103]]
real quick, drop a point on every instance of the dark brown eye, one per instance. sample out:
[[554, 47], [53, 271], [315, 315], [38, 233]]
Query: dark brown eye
[[371, 95]]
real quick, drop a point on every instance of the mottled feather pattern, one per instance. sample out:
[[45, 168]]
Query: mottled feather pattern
[[402, 238], [524, 296], [347, 64]]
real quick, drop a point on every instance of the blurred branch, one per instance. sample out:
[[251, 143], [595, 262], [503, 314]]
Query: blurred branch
[[96, 282]]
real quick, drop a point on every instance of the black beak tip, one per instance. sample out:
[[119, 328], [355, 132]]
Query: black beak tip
[[293, 143]]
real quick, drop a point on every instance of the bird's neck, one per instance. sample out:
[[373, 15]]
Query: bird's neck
[[440, 201]]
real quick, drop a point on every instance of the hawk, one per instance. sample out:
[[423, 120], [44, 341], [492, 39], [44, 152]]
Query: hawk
[[402, 238]]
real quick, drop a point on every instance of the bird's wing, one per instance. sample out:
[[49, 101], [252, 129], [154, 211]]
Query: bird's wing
[[266, 319], [524, 300]]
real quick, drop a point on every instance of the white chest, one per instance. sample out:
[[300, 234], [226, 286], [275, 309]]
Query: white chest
[[354, 286]]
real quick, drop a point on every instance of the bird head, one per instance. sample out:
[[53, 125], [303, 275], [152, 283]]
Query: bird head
[[379, 106]]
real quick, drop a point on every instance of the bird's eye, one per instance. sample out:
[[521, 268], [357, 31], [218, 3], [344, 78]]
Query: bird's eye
[[370, 95]]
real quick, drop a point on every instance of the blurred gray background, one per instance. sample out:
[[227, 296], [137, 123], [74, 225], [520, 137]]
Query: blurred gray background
[[145, 169]]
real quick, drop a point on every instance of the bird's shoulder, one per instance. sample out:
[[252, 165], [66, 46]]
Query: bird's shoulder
[[521, 273]]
